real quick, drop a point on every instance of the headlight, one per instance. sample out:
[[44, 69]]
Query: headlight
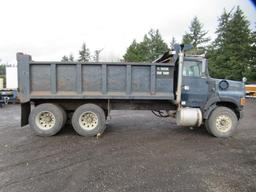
[[223, 85]]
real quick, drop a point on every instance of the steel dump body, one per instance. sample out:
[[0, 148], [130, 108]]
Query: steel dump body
[[74, 80]]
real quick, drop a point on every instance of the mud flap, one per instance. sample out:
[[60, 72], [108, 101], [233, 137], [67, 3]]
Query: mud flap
[[25, 111]]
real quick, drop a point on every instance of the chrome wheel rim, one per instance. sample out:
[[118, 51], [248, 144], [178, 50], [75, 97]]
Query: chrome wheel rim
[[88, 120], [223, 123], [45, 120]]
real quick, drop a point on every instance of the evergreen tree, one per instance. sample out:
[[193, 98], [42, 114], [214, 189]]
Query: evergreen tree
[[68, 58], [71, 57], [148, 50], [196, 35], [64, 58], [215, 51], [251, 72], [3, 72], [84, 54], [229, 57], [135, 53], [2, 69], [222, 30]]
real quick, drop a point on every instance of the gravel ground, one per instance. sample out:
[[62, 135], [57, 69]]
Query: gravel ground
[[138, 152]]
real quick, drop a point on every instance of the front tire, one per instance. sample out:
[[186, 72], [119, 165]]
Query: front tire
[[89, 120], [47, 119], [222, 122]]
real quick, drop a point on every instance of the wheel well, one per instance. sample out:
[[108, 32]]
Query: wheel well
[[230, 105]]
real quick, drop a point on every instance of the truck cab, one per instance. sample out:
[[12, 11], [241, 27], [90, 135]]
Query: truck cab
[[221, 101]]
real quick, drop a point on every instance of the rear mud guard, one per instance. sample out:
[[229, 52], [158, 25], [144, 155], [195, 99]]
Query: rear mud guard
[[25, 111]]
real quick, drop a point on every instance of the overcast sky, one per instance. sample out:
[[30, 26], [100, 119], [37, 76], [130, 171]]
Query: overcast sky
[[49, 29]]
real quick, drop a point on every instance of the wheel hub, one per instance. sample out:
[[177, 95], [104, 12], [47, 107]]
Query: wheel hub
[[45, 120], [88, 120], [223, 123]]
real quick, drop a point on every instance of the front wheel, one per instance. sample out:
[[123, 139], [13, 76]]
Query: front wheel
[[89, 120], [222, 122]]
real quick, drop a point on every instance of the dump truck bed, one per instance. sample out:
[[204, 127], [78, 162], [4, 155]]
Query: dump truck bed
[[74, 80]]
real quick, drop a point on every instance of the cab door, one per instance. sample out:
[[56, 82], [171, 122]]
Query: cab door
[[194, 84]]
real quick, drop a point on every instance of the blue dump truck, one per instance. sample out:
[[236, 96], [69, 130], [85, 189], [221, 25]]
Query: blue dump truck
[[175, 85]]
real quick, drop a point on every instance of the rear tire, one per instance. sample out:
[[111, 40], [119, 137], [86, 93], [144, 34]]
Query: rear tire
[[47, 119], [222, 122], [64, 113], [89, 120]]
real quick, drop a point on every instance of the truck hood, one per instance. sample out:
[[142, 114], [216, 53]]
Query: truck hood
[[235, 89]]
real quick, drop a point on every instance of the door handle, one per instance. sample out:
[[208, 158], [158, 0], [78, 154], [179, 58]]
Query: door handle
[[185, 87]]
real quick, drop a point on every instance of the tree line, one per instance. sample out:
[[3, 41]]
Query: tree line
[[84, 55], [231, 55]]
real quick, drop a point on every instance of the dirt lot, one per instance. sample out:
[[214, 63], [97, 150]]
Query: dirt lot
[[138, 152]]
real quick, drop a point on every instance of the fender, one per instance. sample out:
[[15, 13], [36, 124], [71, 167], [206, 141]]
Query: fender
[[212, 104], [231, 100]]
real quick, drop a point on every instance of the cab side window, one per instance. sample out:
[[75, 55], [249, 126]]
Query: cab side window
[[192, 69]]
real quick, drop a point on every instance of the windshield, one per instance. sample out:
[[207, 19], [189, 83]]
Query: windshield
[[192, 68]]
